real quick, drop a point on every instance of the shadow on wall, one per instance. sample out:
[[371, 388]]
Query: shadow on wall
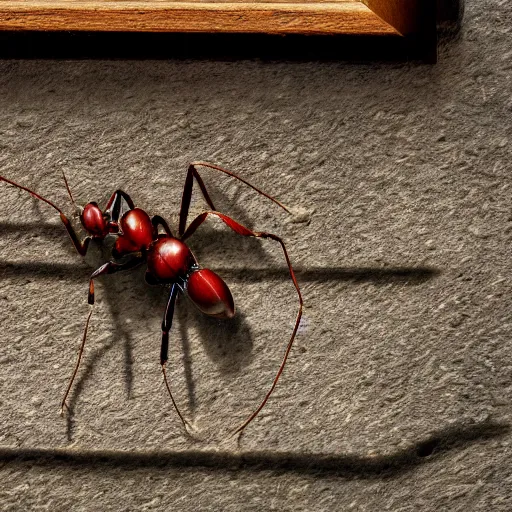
[[383, 275], [128, 45], [229, 352], [437, 445], [411, 275]]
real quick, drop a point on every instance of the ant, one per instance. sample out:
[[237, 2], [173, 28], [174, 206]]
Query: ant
[[168, 259]]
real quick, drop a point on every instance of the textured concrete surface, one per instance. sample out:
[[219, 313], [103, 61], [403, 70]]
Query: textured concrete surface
[[397, 392]]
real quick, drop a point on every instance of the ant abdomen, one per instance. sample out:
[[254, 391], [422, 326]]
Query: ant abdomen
[[210, 294]]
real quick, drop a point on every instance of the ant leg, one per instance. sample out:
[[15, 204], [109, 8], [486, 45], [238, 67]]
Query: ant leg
[[187, 195], [187, 190], [108, 268], [80, 245], [164, 348], [160, 221], [114, 204], [243, 231], [112, 267], [77, 365]]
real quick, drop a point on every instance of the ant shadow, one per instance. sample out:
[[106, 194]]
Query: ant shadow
[[231, 348], [228, 344], [424, 451], [227, 351]]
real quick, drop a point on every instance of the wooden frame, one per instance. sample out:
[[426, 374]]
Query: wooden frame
[[368, 17], [412, 20]]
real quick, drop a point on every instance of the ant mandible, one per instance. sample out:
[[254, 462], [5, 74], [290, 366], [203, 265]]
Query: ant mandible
[[169, 260]]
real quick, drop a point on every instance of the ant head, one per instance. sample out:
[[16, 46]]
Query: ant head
[[210, 294], [93, 220]]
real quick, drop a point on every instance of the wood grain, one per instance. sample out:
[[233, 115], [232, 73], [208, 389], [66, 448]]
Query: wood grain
[[271, 16]]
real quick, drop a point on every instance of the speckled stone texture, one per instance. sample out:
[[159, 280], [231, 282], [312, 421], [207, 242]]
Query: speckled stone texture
[[397, 392]]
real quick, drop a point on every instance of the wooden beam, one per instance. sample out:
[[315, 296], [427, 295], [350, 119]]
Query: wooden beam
[[274, 16]]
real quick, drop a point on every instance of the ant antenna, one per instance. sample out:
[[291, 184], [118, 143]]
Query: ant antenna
[[32, 193], [69, 190]]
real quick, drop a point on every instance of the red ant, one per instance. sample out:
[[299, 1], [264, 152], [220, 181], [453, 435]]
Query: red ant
[[169, 260]]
